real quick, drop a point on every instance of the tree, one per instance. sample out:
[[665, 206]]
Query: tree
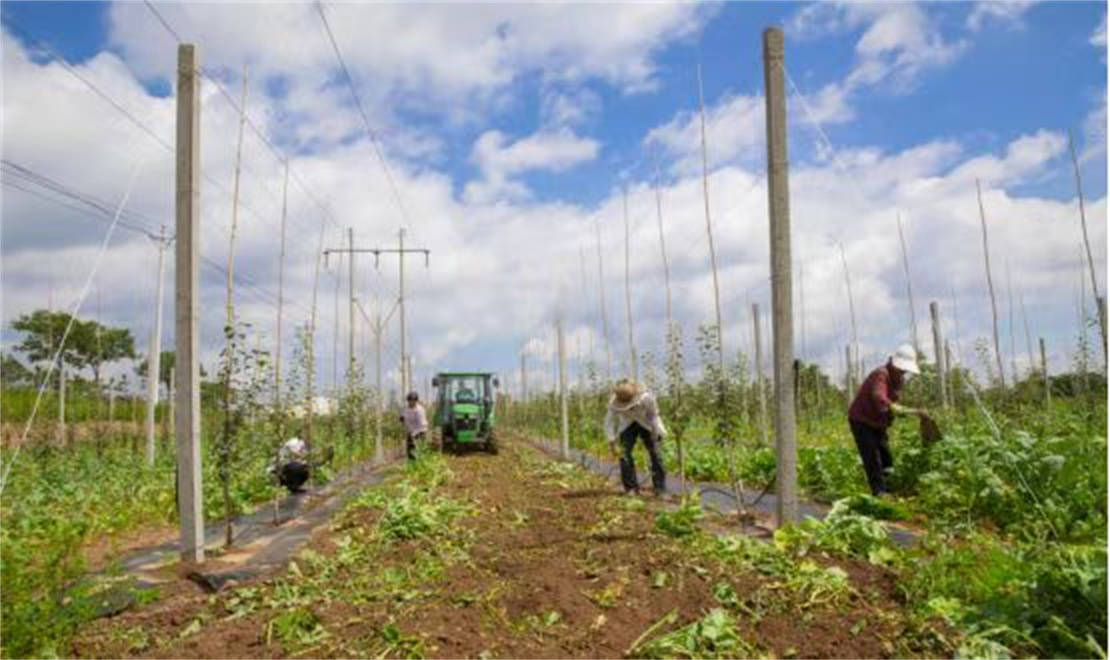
[[165, 366], [12, 371], [88, 345]]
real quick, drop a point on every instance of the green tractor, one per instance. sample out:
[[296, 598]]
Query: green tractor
[[464, 412]]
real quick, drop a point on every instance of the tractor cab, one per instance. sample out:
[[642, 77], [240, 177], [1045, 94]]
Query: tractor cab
[[464, 412]]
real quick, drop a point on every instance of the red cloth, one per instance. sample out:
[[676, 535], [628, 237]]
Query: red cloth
[[871, 406]]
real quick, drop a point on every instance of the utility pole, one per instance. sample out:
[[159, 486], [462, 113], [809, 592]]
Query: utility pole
[[628, 293], [778, 204], [938, 349], [400, 251], [564, 448], [154, 361], [187, 311]]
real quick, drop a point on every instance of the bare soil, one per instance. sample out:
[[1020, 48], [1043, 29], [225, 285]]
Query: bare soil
[[553, 565]]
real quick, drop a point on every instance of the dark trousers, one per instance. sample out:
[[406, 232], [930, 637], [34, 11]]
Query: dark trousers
[[628, 465], [874, 451], [410, 444], [293, 475]]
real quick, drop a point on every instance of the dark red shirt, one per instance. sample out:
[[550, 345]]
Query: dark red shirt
[[871, 406]]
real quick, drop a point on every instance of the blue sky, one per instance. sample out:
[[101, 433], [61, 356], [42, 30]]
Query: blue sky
[[1038, 74], [511, 128]]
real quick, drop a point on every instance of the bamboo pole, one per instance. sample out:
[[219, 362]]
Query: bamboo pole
[[1028, 336], [938, 349], [564, 427], [628, 293], [229, 325], [761, 392], [1010, 304], [1044, 375], [281, 300], [310, 392], [990, 286], [604, 315], [909, 287], [709, 232], [663, 249], [854, 358], [1087, 241], [154, 361]]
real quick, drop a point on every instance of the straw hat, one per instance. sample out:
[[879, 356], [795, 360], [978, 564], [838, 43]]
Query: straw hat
[[905, 359], [625, 393]]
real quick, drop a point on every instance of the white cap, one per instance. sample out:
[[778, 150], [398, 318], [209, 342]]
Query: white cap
[[905, 358]]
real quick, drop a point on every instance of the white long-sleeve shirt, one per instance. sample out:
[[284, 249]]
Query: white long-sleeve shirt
[[643, 411], [416, 420]]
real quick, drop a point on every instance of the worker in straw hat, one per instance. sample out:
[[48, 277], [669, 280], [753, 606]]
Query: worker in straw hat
[[873, 410], [632, 414]]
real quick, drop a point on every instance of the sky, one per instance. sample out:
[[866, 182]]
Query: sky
[[508, 139]]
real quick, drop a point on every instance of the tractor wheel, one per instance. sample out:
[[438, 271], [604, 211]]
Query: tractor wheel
[[491, 444]]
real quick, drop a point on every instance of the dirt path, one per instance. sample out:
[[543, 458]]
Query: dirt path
[[514, 556]]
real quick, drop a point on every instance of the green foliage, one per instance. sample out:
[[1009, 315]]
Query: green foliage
[[715, 635], [1048, 600], [88, 345], [682, 521]]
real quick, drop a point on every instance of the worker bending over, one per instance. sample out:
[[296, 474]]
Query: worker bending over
[[632, 414], [873, 410]]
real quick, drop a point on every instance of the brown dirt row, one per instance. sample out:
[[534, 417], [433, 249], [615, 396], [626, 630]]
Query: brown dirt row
[[550, 563]]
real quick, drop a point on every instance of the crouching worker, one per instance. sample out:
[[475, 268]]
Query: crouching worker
[[873, 410], [293, 465], [632, 414], [416, 423]]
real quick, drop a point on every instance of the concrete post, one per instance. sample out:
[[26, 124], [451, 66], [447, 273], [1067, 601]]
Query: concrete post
[[154, 361], [564, 448], [938, 349], [187, 311], [761, 392], [778, 198]]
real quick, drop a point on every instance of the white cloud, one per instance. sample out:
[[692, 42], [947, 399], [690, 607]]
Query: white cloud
[[502, 265], [1008, 13], [451, 60], [499, 160], [1098, 37]]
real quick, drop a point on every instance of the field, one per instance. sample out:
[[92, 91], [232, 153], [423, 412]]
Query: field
[[519, 555]]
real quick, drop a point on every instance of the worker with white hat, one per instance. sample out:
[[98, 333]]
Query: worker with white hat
[[632, 413], [873, 410]]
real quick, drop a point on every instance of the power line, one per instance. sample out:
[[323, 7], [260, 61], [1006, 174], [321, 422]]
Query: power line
[[278, 154], [374, 141]]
